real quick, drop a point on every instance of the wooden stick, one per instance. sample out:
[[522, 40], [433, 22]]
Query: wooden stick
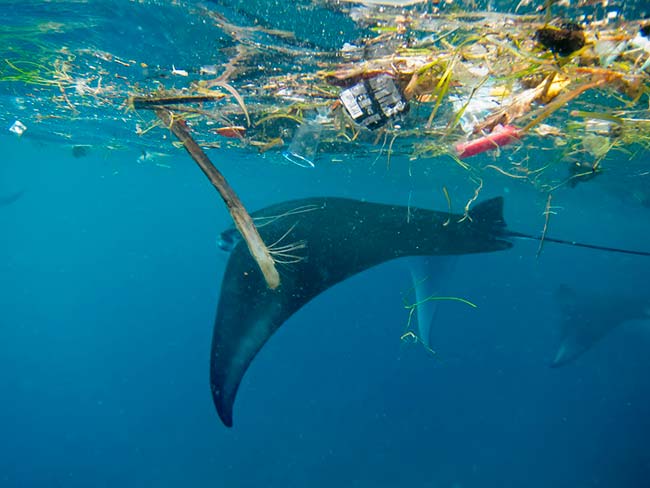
[[547, 214], [157, 102], [240, 216], [560, 101]]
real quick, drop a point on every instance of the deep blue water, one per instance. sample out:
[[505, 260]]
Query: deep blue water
[[109, 285]]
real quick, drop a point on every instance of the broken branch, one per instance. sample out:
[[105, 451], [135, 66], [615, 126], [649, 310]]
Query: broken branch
[[240, 216]]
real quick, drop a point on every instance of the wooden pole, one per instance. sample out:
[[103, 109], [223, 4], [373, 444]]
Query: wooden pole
[[240, 216]]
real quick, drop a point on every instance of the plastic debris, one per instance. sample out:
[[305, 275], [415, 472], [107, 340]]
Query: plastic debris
[[476, 108], [608, 51], [372, 102], [500, 136], [80, 150], [228, 239], [576, 88], [18, 128], [303, 147], [179, 72], [209, 69], [232, 132]]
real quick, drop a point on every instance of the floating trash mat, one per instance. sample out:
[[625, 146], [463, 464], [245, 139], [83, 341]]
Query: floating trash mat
[[431, 81]]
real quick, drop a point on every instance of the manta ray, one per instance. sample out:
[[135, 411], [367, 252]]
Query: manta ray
[[427, 276], [6, 200], [319, 242], [586, 319]]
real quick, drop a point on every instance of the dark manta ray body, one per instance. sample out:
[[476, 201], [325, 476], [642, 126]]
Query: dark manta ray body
[[587, 318], [9, 199], [324, 241], [340, 238]]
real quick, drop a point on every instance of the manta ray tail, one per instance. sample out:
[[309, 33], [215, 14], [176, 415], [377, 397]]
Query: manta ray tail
[[489, 213], [596, 247]]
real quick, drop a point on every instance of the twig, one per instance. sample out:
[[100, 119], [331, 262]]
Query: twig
[[505, 173], [411, 336], [240, 216], [390, 151], [547, 214], [560, 101], [408, 208], [446, 222], [466, 215], [156, 102]]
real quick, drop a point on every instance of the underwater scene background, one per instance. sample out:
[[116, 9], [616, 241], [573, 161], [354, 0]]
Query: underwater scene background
[[112, 272]]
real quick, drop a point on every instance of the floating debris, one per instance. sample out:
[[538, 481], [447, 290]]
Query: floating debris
[[18, 128], [582, 171], [179, 72], [414, 81], [373, 102], [563, 40], [645, 30], [231, 132], [80, 151], [500, 136], [303, 147]]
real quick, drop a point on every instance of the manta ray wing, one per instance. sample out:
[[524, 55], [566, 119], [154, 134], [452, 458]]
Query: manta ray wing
[[586, 319], [6, 200], [428, 273]]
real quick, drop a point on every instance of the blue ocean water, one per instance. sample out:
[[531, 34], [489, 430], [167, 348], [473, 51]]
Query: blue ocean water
[[110, 281]]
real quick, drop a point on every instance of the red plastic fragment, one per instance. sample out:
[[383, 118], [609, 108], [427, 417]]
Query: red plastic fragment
[[231, 132], [501, 135]]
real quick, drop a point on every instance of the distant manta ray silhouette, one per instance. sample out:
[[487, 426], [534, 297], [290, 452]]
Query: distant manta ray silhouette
[[324, 241], [587, 318], [11, 198]]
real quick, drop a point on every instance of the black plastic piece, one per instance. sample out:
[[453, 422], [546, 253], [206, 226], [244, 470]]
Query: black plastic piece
[[373, 102]]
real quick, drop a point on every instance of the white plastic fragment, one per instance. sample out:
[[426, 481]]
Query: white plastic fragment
[[156, 158], [304, 146], [477, 107], [179, 72], [641, 42], [349, 50], [208, 69], [608, 51], [18, 128]]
